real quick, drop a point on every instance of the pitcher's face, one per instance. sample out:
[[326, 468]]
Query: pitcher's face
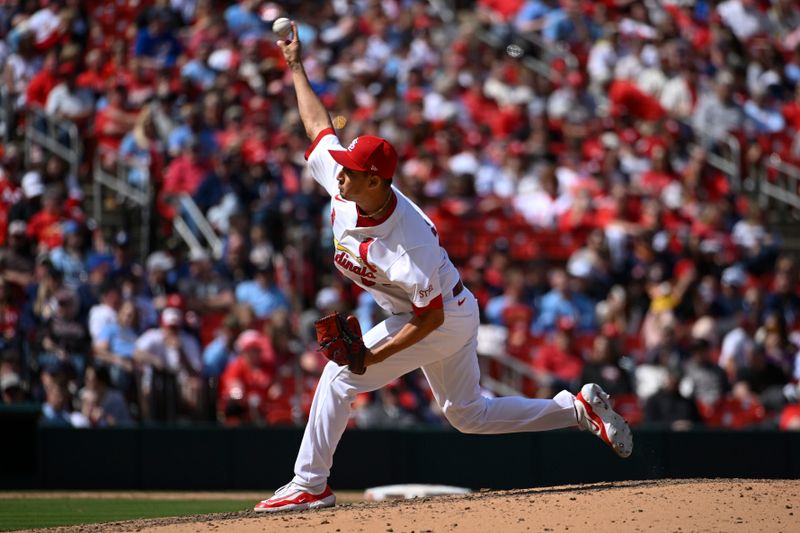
[[352, 184]]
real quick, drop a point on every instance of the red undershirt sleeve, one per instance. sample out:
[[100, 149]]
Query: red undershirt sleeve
[[436, 303]]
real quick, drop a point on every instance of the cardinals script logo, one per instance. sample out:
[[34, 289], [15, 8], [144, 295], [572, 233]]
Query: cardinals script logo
[[356, 263]]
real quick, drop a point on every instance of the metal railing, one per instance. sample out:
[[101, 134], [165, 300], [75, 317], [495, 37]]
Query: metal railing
[[727, 160], [510, 378], [116, 181], [539, 54], [779, 180], [510, 374], [58, 136], [548, 52], [191, 224]]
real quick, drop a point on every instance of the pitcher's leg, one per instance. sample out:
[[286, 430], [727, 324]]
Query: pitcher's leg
[[327, 420], [330, 409], [455, 385]]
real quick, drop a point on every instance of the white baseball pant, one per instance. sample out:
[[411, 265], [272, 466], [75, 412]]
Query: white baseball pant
[[449, 361]]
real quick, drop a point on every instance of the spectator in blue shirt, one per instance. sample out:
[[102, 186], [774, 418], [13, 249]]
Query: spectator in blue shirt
[[70, 258], [261, 293], [197, 70], [761, 113], [783, 299], [137, 146], [115, 345], [562, 302], [532, 16], [242, 20], [222, 349], [569, 23], [54, 410], [192, 130], [513, 294], [158, 44], [223, 180]]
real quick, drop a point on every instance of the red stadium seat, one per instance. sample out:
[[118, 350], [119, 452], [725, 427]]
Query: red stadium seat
[[524, 246], [732, 413], [209, 324], [629, 406]]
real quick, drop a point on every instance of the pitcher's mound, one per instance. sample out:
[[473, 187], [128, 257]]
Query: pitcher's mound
[[667, 505]]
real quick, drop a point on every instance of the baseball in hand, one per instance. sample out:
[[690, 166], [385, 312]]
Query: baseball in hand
[[282, 27]]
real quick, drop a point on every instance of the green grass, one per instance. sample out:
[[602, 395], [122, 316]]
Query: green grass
[[44, 512]]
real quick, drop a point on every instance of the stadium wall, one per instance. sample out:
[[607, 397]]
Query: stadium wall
[[175, 458]]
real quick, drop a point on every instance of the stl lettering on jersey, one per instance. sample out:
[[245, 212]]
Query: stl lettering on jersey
[[424, 293]]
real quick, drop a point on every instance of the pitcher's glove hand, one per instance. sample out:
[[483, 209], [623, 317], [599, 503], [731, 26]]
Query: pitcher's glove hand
[[340, 341]]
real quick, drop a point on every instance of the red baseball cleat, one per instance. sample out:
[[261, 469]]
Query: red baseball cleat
[[596, 415], [293, 497]]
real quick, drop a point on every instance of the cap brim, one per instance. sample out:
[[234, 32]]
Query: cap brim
[[343, 158]]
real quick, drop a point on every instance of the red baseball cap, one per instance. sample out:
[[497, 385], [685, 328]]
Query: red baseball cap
[[250, 339], [368, 154]]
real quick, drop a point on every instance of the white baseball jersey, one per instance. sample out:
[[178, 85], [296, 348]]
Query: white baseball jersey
[[399, 261], [397, 258]]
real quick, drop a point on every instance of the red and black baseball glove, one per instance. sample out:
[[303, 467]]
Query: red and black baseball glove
[[340, 341]]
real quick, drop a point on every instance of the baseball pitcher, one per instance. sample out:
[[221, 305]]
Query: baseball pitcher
[[386, 245]]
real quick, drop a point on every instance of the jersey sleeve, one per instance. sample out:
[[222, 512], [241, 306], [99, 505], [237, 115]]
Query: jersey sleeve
[[322, 166], [417, 273]]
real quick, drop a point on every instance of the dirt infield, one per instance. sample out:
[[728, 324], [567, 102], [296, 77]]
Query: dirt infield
[[666, 505]]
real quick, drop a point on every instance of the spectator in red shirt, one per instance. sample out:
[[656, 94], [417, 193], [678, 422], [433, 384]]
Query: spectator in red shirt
[[628, 100], [49, 24], [9, 316], [45, 226], [580, 215], [660, 174], [791, 111], [560, 360], [790, 418], [245, 383], [10, 193], [113, 121], [232, 134], [94, 77], [496, 11], [255, 147], [139, 82], [117, 65], [44, 81], [186, 172]]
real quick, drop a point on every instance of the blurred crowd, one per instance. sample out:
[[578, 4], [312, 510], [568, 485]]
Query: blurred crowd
[[579, 203]]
